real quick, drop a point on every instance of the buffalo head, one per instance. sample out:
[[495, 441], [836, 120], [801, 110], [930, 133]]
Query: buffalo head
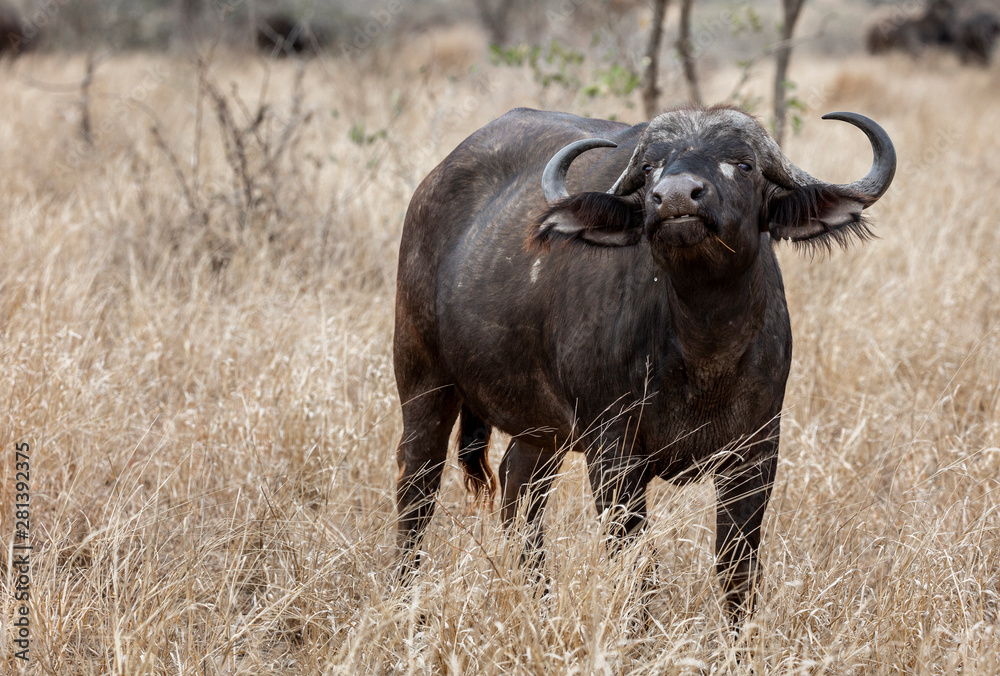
[[702, 185]]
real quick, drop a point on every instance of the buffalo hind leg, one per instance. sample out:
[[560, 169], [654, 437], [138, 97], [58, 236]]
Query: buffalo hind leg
[[526, 476], [742, 496], [428, 418], [473, 455]]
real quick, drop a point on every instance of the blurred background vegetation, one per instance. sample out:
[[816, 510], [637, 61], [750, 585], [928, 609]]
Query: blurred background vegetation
[[589, 49], [833, 27], [202, 203]]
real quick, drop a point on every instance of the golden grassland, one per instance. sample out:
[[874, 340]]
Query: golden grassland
[[196, 342]]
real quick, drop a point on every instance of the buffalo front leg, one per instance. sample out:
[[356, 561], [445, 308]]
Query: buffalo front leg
[[742, 495], [428, 418], [526, 475], [618, 479]]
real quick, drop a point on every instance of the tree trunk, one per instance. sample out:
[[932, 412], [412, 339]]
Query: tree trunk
[[783, 55], [496, 18], [687, 54], [650, 89], [190, 18]]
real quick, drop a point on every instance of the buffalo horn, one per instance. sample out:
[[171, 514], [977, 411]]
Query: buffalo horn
[[554, 176], [874, 185], [869, 188]]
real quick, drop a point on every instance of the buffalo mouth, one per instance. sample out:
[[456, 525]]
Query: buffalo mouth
[[682, 230]]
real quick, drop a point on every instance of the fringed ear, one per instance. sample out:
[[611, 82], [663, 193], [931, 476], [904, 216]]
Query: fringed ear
[[594, 218], [819, 215]]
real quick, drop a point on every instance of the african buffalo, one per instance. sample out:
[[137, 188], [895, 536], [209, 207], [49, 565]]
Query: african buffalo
[[280, 35], [637, 316], [15, 37], [976, 38], [944, 24], [912, 34]]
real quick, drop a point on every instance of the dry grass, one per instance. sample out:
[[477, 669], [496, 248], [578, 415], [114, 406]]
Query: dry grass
[[207, 388]]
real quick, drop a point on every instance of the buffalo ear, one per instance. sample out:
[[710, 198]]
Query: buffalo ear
[[594, 218], [819, 214]]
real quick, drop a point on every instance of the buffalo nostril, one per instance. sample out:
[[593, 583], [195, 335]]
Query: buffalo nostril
[[677, 195]]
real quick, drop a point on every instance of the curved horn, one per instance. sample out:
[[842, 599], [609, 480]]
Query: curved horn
[[868, 189], [554, 176], [877, 181]]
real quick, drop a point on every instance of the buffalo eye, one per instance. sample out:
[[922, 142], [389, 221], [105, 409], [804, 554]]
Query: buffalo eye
[[745, 167], [647, 168]]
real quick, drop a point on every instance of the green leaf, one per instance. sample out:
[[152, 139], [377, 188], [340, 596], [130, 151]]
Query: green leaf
[[357, 133], [359, 137]]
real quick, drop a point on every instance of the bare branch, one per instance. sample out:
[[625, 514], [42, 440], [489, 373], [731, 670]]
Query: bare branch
[[792, 9], [650, 89], [86, 130], [687, 54], [496, 18]]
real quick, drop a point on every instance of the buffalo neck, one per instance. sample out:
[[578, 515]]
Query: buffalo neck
[[715, 323]]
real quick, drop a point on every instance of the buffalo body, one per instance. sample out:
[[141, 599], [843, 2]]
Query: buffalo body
[[631, 309]]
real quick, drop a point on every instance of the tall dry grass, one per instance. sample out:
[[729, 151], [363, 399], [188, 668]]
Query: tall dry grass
[[206, 385]]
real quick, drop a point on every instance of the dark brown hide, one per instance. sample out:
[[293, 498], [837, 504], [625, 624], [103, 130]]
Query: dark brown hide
[[644, 326], [281, 35], [975, 38], [944, 24], [15, 37]]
